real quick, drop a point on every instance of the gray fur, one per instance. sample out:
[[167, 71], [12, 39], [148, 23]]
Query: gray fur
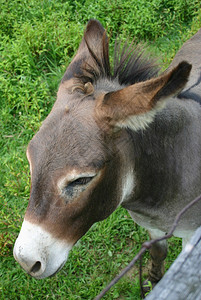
[[168, 166], [168, 154]]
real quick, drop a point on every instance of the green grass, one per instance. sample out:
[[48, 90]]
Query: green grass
[[37, 41]]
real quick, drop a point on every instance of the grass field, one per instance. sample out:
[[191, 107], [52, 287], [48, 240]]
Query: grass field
[[37, 41]]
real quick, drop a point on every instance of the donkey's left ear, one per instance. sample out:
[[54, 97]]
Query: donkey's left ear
[[92, 41], [135, 106]]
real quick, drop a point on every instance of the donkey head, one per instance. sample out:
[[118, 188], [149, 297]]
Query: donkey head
[[80, 158]]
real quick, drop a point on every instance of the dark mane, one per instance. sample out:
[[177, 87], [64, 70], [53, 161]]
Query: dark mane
[[131, 64]]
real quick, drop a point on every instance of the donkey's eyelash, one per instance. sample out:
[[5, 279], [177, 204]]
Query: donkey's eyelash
[[81, 181], [74, 188]]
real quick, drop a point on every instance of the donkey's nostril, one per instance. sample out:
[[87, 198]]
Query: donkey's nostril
[[36, 267]]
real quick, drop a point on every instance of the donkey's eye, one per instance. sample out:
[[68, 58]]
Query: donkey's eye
[[81, 181], [72, 189]]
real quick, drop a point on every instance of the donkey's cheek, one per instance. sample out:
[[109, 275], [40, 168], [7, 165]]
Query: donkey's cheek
[[35, 250]]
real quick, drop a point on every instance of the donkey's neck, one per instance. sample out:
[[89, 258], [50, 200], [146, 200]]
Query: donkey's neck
[[166, 166], [163, 155]]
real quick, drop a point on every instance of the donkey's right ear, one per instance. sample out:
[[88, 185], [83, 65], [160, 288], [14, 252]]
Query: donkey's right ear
[[91, 43], [135, 106]]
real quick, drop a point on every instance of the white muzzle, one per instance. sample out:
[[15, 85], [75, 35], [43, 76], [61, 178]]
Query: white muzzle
[[38, 252]]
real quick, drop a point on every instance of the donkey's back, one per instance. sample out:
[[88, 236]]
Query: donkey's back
[[191, 52]]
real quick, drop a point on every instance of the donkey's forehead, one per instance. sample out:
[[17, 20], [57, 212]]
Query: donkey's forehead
[[101, 86], [68, 138]]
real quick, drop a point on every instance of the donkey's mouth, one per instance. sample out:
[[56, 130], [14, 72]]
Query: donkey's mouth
[[46, 276], [59, 268]]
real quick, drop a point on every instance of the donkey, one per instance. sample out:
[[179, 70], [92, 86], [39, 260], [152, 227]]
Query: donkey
[[126, 136]]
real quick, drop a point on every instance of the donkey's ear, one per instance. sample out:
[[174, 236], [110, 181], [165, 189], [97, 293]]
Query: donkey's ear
[[91, 43], [135, 106]]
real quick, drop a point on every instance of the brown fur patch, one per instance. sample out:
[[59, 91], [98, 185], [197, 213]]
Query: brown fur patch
[[141, 97], [67, 109]]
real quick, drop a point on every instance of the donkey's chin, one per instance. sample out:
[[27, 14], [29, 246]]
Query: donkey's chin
[[38, 252]]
